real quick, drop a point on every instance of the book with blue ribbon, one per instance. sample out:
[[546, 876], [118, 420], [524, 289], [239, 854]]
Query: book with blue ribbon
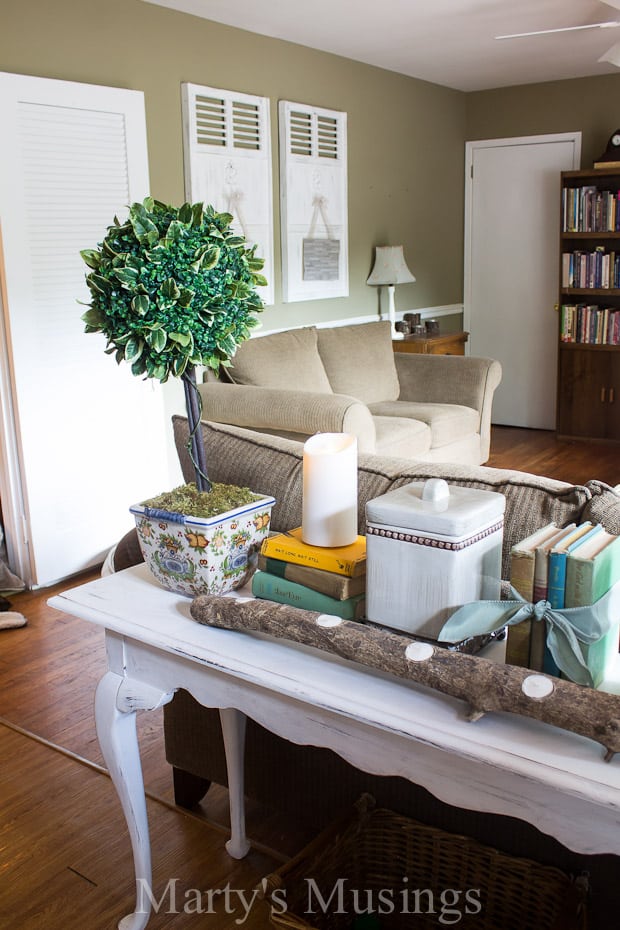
[[556, 575], [568, 630], [592, 569]]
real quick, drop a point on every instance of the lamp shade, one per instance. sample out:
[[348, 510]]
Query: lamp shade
[[390, 266]]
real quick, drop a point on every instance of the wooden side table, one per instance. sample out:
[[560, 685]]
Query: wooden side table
[[447, 344]]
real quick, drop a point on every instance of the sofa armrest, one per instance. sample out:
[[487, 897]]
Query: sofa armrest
[[297, 412], [451, 379]]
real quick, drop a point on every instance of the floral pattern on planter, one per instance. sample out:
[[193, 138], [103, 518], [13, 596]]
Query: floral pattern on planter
[[195, 556]]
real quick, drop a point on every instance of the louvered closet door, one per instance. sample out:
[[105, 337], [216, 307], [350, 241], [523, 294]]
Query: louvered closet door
[[227, 149], [82, 438]]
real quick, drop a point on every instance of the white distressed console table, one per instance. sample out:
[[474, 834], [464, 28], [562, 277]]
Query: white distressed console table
[[502, 763]]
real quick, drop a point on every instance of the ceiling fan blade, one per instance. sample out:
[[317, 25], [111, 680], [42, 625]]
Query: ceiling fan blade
[[546, 32], [612, 55]]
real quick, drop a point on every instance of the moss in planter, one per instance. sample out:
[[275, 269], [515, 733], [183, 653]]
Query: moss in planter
[[188, 500]]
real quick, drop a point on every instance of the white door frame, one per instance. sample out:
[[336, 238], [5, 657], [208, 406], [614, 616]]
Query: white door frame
[[14, 519], [470, 148]]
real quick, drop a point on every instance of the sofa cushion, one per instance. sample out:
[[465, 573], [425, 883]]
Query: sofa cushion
[[604, 506], [447, 422], [289, 360], [400, 437], [274, 466], [532, 501], [359, 361]]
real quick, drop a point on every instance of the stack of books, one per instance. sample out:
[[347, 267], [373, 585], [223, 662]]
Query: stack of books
[[570, 567], [590, 324], [587, 209], [330, 580]]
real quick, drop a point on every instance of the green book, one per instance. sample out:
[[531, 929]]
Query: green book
[[591, 570], [273, 588]]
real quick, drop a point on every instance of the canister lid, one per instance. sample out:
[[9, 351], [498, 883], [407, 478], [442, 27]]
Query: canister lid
[[434, 506]]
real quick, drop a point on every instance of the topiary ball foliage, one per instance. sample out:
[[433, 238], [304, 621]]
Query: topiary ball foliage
[[172, 288]]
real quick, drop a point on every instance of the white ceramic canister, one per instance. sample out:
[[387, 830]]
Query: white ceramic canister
[[431, 547]]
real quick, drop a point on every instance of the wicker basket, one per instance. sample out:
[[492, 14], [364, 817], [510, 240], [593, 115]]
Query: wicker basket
[[390, 857]]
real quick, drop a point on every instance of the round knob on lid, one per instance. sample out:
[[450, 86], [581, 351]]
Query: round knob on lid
[[435, 489]]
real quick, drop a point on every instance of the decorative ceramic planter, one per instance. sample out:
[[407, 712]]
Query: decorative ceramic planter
[[195, 555]]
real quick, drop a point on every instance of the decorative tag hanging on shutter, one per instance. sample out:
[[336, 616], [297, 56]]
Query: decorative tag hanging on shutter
[[227, 150], [320, 255], [313, 185]]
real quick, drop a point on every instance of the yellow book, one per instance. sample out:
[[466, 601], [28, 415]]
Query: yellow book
[[343, 560]]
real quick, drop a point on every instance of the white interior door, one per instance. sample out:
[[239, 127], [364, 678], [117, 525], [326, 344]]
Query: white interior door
[[81, 438], [512, 225]]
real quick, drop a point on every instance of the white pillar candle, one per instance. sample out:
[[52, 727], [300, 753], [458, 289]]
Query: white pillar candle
[[329, 512]]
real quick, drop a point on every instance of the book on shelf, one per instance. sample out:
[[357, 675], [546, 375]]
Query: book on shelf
[[541, 561], [597, 269], [343, 560], [556, 575], [590, 324], [338, 586], [538, 638], [281, 590], [588, 209], [591, 570], [522, 580]]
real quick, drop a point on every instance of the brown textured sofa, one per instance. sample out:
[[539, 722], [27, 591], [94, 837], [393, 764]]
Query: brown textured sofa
[[348, 379], [314, 783]]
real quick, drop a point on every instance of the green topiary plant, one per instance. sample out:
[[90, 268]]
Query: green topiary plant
[[173, 288]]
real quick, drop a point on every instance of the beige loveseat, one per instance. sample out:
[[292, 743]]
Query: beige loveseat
[[348, 379]]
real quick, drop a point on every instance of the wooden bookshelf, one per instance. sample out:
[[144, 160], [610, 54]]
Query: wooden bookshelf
[[589, 306]]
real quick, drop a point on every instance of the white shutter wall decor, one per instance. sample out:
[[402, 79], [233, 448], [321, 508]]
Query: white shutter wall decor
[[313, 202], [227, 155], [82, 438]]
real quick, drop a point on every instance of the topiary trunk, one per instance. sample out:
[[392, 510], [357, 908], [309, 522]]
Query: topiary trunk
[[195, 444]]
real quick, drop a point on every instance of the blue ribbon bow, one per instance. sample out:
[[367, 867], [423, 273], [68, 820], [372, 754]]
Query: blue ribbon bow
[[566, 628]]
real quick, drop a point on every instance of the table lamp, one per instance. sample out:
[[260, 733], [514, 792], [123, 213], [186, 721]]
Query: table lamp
[[390, 269]]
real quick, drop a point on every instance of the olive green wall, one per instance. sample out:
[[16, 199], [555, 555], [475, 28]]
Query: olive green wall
[[589, 105], [405, 137]]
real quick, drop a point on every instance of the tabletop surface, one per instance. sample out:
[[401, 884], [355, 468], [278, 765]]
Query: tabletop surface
[[133, 604]]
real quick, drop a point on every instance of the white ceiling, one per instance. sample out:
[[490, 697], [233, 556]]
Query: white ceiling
[[448, 42]]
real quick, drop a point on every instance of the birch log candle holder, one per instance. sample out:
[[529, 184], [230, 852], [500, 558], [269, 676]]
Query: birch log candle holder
[[329, 509], [485, 686]]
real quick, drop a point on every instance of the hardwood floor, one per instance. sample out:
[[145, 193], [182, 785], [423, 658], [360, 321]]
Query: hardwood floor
[[539, 451], [65, 859], [64, 853]]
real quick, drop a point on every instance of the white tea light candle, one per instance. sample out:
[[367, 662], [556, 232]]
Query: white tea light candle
[[329, 511]]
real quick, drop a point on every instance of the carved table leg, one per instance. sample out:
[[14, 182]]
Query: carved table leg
[[233, 730], [116, 703]]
